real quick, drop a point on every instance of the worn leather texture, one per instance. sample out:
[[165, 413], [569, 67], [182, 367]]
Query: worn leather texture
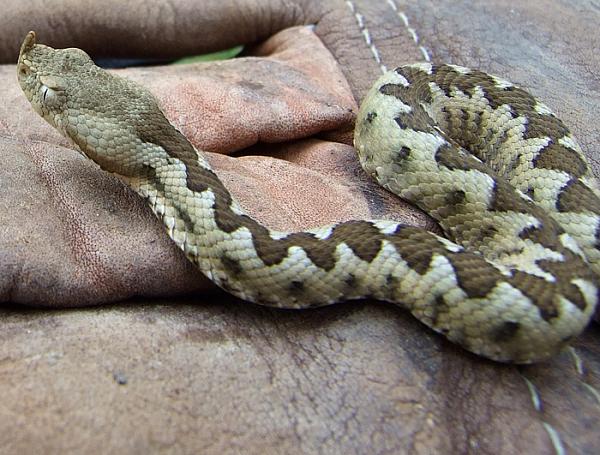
[[166, 363]]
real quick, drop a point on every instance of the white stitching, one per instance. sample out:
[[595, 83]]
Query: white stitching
[[366, 34], [577, 360], [535, 396], [369, 40], [410, 30], [579, 368], [559, 448], [555, 439], [537, 403], [593, 391]]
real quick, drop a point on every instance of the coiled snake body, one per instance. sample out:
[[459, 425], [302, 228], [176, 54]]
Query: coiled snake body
[[516, 286]]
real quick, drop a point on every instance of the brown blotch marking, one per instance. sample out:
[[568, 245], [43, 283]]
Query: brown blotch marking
[[572, 267], [546, 234], [416, 247], [473, 274], [391, 281], [160, 188], [272, 252], [439, 307], [573, 293], [506, 199], [361, 236], [153, 127], [487, 232], [544, 294], [418, 89], [560, 158], [411, 74], [297, 286], [540, 125], [521, 103], [403, 153], [577, 197], [448, 156], [455, 197], [465, 128], [417, 119], [504, 196], [448, 78], [539, 291], [505, 332], [187, 221], [351, 281], [462, 127], [232, 266], [395, 90], [451, 157], [370, 117]]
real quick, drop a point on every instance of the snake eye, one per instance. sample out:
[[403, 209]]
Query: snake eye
[[49, 96]]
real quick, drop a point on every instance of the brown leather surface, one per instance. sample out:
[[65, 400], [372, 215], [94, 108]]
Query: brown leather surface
[[207, 373]]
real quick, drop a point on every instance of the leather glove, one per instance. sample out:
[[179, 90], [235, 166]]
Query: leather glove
[[277, 126]]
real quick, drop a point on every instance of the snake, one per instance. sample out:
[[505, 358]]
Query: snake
[[513, 278]]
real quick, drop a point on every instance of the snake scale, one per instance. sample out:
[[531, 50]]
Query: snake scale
[[518, 284]]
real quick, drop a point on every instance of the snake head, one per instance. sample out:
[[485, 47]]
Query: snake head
[[45, 75], [99, 111]]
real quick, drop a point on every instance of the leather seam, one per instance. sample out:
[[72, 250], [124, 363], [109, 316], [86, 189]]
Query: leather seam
[[536, 400], [366, 34], [411, 31], [580, 370]]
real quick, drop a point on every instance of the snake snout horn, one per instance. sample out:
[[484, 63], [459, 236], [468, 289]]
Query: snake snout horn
[[28, 42]]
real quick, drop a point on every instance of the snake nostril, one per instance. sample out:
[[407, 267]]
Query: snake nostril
[[23, 70]]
